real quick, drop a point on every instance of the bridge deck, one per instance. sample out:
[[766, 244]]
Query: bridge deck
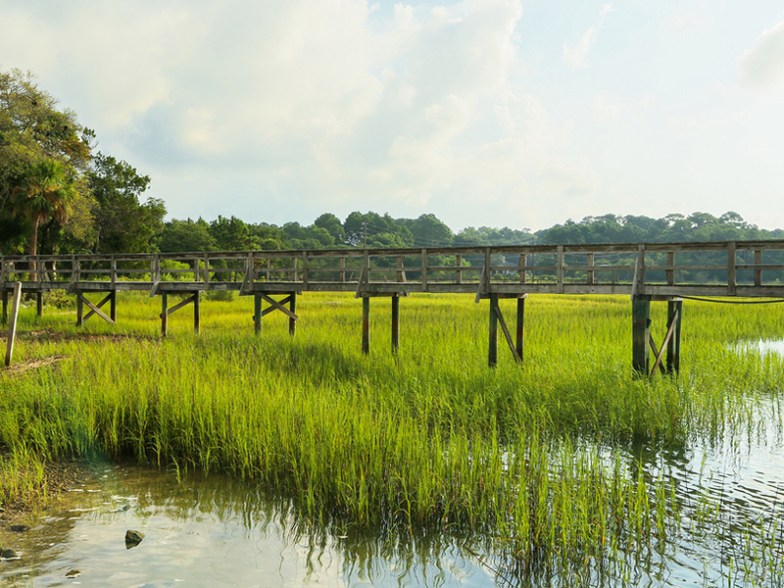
[[731, 268], [645, 271]]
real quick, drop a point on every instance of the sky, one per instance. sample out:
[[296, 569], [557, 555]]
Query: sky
[[519, 113]]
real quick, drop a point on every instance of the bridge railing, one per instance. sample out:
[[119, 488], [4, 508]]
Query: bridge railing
[[718, 268]]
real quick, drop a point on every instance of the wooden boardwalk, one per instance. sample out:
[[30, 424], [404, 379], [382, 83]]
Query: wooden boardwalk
[[644, 271]]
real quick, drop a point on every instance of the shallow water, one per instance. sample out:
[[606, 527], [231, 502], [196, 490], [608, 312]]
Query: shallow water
[[200, 532]]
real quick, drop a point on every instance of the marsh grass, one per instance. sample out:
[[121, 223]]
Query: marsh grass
[[430, 442]]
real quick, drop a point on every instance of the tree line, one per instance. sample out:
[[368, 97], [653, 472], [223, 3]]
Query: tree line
[[59, 195]]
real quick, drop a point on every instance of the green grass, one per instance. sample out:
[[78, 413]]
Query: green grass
[[430, 442]]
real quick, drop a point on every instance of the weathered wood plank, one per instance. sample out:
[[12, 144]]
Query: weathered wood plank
[[11, 337]]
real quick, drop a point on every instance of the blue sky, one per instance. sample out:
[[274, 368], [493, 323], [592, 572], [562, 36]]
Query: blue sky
[[484, 112]]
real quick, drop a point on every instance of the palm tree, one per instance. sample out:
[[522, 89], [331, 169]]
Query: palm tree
[[44, 194]]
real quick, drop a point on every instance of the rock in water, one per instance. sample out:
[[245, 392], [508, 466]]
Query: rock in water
[[133, 538], [19, 528], [9, 554], [73, 574]]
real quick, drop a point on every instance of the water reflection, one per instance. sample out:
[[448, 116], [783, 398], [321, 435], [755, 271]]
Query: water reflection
[[762, 346], [209, 531]]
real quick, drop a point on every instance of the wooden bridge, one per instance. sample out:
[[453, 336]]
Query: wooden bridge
[[644, 271]]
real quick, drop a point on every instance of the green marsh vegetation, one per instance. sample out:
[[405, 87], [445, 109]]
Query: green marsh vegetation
[[557, 469]]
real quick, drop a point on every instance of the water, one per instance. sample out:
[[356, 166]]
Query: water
[[203, 532]]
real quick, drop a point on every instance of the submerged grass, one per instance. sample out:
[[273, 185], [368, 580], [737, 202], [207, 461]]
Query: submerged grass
[[429, 442]]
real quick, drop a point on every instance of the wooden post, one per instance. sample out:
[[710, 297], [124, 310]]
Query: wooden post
[[641, 321], [257, 313], [196, 311], [79, 309], [39, 304], [674, 314], [520, 332], [164, 313], [17, 298], [365, 325], [293, 309], [492, 348], [395, 323], [113, 305]]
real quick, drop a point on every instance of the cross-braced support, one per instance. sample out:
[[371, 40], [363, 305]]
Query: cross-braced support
[[665, 359], [259, 311], [194, 298], [95, 309], [516, 345]]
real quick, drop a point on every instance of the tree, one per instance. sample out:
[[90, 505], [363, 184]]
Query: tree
[[45, 194], [373, 230], [429, 231], [123, 223], [43, 153], [232, 234], [187, 236], [330, 223]]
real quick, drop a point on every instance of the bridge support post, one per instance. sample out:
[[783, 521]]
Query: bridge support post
[[113, 305], [395, 323], [194, 298], [259, 312], [520, 332], [641, 333], [164, 314], [366, 324], [197, 312], [5, 306], [492, 347], [95, 309], [292, 317], [79, 310], [39, 303], [674, 319], [496, 319]]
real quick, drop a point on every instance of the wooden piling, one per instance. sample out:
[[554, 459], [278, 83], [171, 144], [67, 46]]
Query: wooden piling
[[293, 309], [641, 320], [113, 305], [674, 315], [79, 309], [395, 323], [164, 314], [39, 304], [520, 331], [492, 348], [257, 313], [365, 325], [196, 312]]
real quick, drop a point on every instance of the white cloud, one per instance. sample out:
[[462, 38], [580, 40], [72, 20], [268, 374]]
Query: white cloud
[[576, 56], [763, 65]]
